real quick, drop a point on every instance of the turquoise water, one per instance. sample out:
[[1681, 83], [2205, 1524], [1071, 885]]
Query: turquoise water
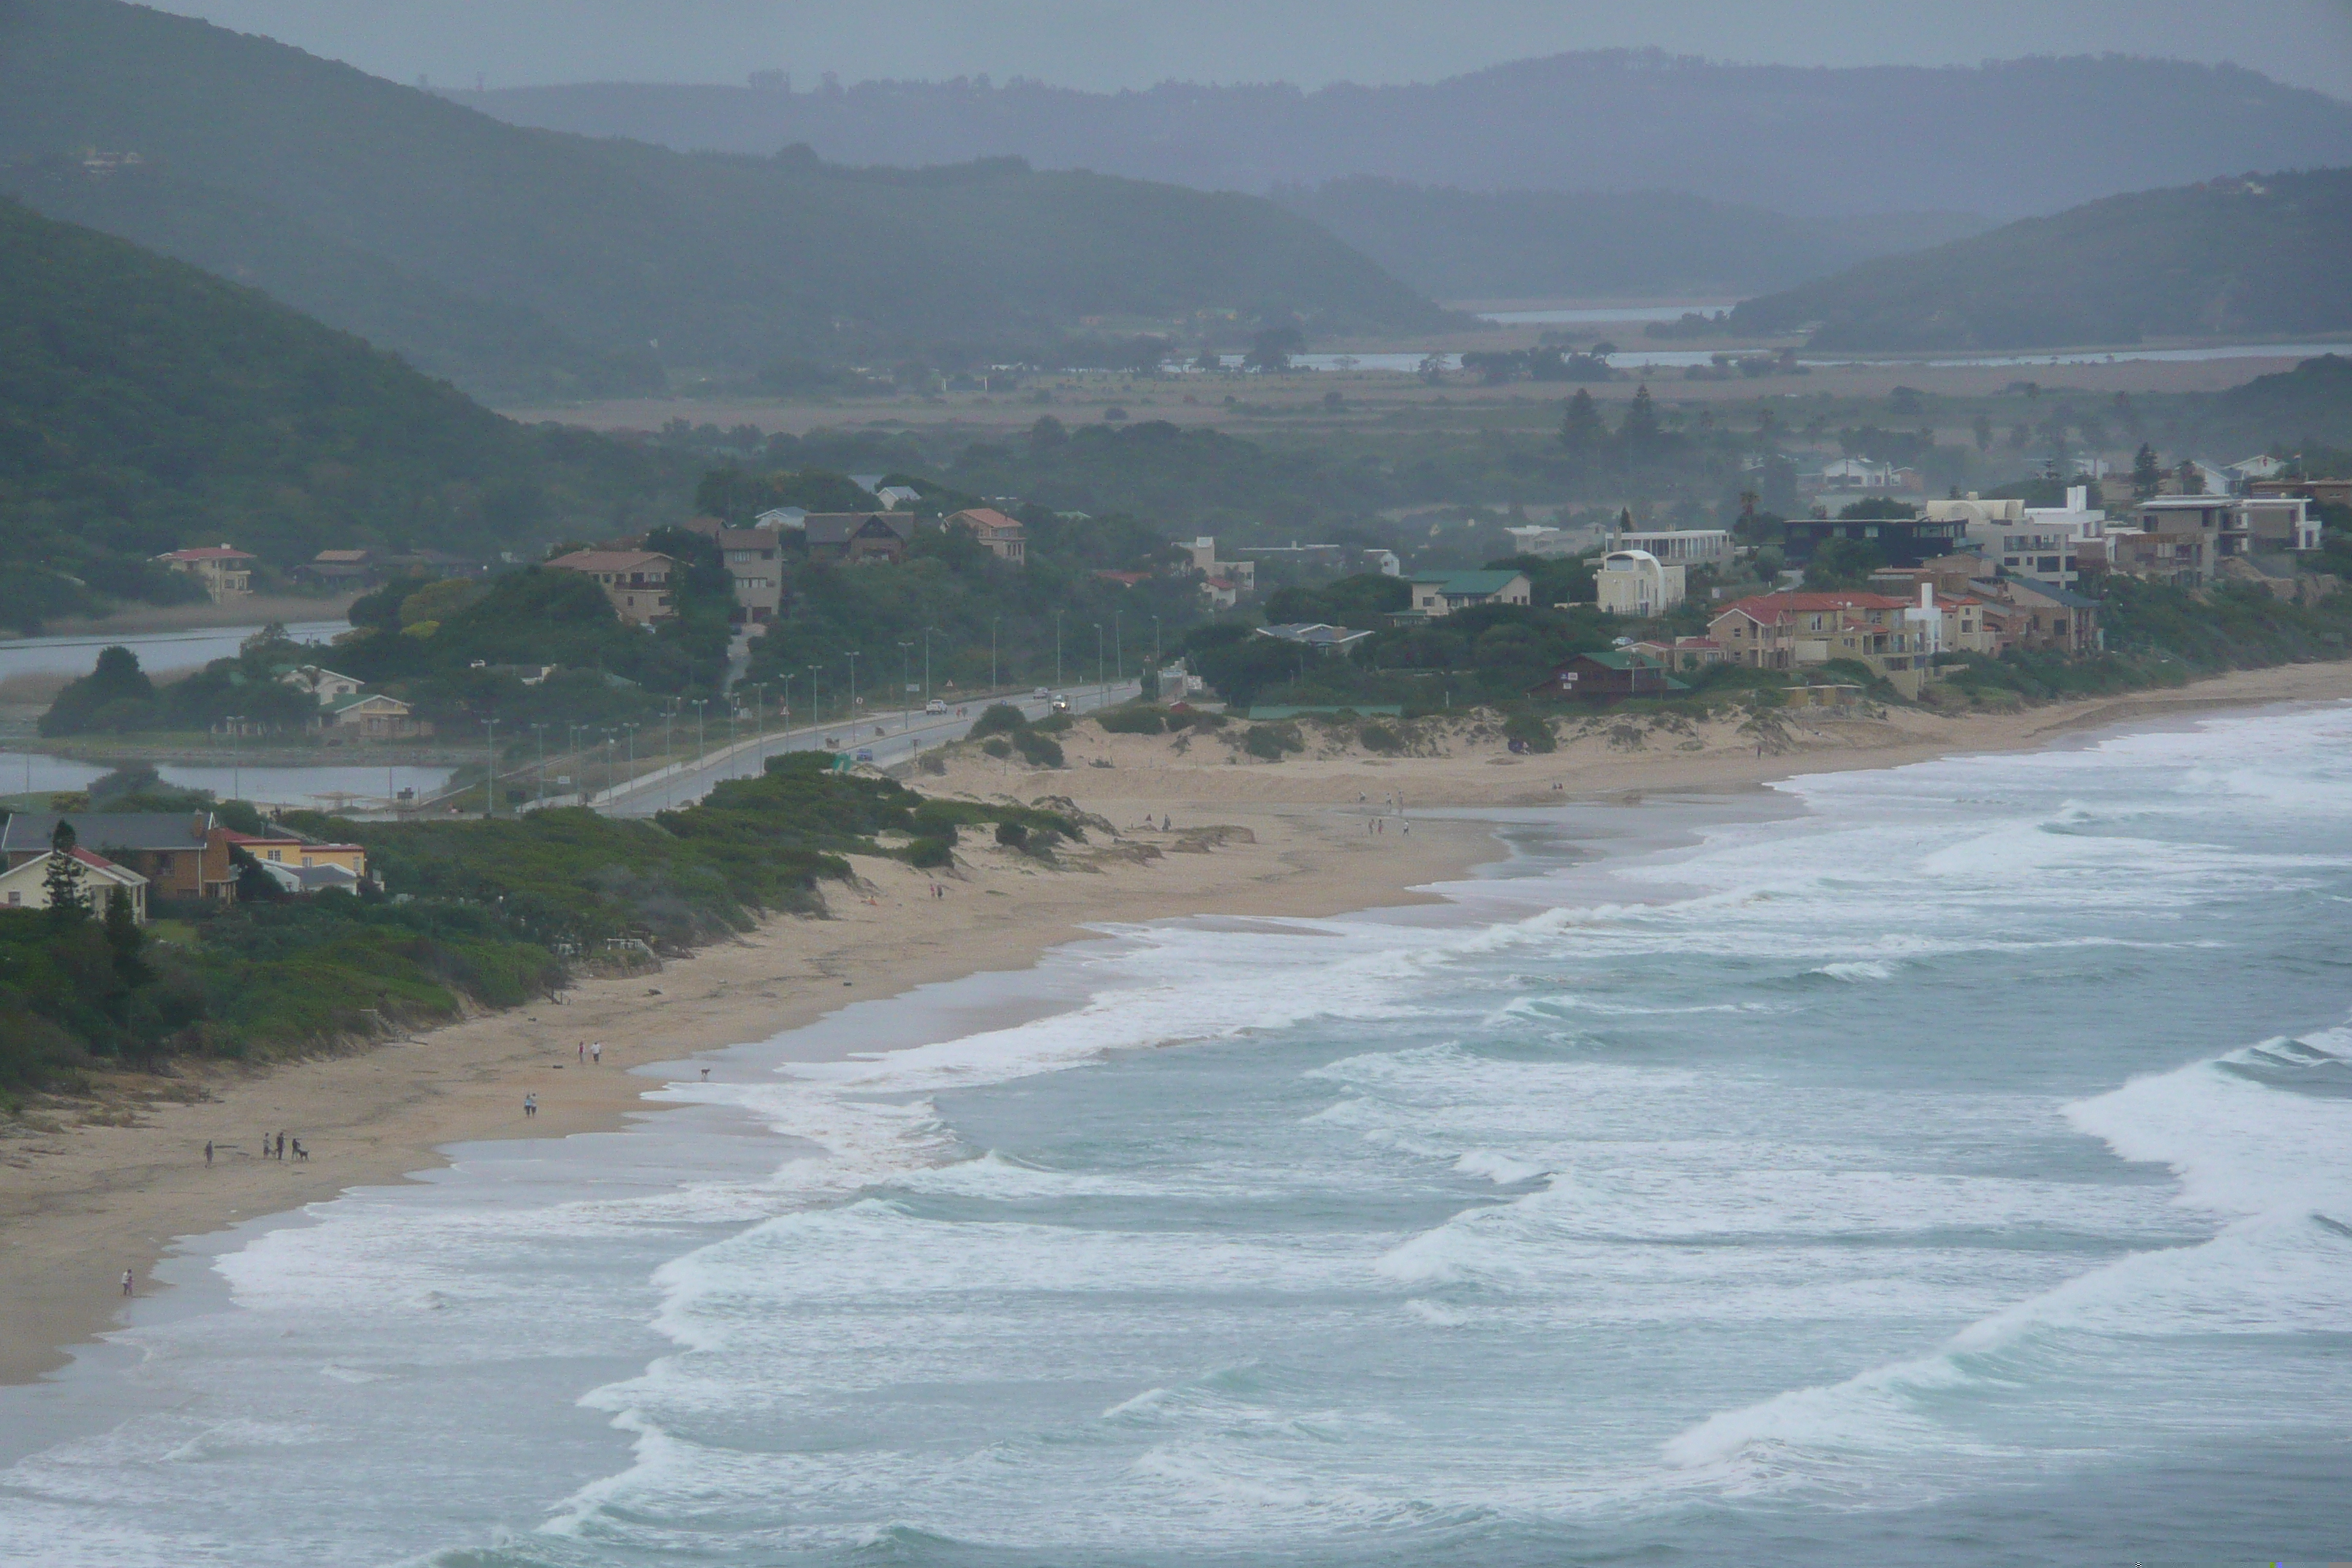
[[1954, 1168]]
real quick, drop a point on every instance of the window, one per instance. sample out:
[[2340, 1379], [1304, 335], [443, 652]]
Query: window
[[16, 901]]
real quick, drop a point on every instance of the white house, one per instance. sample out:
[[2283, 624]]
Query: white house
[[782, 518], [1678, 546], [320, 682], [25, 886], [1637, 582], [897, 498]]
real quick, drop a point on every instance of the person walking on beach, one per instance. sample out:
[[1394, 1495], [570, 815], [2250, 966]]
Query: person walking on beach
[[127, 1281], [208, 1153], [583, 1053], [530, 1106], [596, 1053]]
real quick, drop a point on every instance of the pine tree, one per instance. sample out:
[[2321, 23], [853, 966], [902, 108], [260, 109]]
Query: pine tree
[[1639, 431], [1984, 433], [2147, 474], [2189, 478], [122, 934], [68, 898], [1580, 429]]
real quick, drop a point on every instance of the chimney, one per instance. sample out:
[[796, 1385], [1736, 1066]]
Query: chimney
[[1926, 595], [2078, 498]]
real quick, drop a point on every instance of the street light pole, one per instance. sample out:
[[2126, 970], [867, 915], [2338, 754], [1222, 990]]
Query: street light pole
[[992, 622], [236, 757], [538, 795], [816, 697], [851, 716], [906, 687], [1100, 690], [699, 704], [490, 779], [632, 730], [1057, 650]]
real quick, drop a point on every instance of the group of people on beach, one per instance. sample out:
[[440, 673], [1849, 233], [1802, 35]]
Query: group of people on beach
[[274, 1146]]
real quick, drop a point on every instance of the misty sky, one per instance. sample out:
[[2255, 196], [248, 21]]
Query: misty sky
[[1124, 43]]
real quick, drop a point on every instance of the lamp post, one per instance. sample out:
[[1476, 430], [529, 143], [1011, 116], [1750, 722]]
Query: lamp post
[[1057, 650], [906, 687], [1155, 643], [816, 697], [1100, 690], [608, 762], [632, 732], [699, 704], [760, 721], [490, 778], [992, 622], [849, 715], [235, 722], [539, 791], [927, 661], [1118, 657]]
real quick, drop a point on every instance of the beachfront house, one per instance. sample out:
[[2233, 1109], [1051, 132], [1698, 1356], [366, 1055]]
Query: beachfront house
[[1444, 594], [1611, 676], [372, 716], [25, 885], [1637, 582], [1001, 536], [183, 853]]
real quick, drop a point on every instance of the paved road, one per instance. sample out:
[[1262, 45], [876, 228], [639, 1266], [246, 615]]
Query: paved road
[[643, 797]]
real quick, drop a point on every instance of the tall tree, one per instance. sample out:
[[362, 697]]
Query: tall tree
[[2189, 478], [123, 936], [1640, 430], [69, 898], [2147, 474], [1581, 426]]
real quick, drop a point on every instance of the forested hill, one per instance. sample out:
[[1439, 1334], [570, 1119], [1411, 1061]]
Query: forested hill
[[2261, 256], [1458, 244], [145, 405], [2004, 138], [582, 258]]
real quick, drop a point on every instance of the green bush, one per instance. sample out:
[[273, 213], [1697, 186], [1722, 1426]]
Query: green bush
[[1533, 731], [1132, 719], [1038, 751], [929, 852], [999, 718], [1053, 725], [1012, 834], [1271, 740], [1377, 737], [997, 747]]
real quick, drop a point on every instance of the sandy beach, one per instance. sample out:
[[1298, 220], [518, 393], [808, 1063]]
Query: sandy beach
[[83, 1196]]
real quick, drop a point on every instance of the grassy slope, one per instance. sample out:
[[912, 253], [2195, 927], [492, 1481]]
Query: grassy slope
[[2184, 262], [722, 260]]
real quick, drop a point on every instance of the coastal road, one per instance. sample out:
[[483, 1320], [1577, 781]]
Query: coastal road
[[688, 781]]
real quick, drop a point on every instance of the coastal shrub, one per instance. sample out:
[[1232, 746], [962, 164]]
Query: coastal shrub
[[1053, 725], [1269, 742], [1036, 749], [1377, 737], [998, 719], [997, 747], [1012, 834], [937, 819], [1531, 730], [1131, 719], [927, 852]]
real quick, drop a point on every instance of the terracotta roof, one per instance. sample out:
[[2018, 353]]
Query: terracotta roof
[[985, 517]]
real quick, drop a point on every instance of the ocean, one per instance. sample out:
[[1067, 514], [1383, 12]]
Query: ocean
[[1950, 1165]]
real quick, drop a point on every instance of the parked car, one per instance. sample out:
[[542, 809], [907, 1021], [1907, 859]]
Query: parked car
[[1039, 694], [935, 705]]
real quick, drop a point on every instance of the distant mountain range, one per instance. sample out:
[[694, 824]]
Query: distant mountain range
[[2005, 139], [526, 263], [1455, 244], [2257, 256]]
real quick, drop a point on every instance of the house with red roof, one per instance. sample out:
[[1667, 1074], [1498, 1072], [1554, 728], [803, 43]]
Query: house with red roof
[[25, 885], [1788, 631]]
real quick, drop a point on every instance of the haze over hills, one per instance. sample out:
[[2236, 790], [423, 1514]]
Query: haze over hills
[[145, 405], [1455, 244], [500, 255], [2258, 257], [2006, 139]]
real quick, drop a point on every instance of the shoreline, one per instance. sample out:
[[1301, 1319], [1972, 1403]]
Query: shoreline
[[78, 1205]]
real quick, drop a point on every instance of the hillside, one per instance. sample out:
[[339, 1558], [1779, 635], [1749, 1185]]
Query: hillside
[[2257, 256], [2005, 139], [145, 405], [318, 182], [1455, 244]]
